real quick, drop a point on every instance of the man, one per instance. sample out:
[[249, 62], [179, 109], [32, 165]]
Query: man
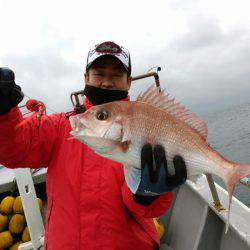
[[89, 203]]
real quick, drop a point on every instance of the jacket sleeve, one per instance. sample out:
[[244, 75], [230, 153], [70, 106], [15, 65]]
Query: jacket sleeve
[[155, 209], [30, 145]]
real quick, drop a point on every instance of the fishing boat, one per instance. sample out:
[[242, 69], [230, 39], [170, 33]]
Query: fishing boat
[[192, 222], [196, 220]]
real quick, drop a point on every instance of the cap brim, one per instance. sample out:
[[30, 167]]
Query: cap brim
[[107, 54]]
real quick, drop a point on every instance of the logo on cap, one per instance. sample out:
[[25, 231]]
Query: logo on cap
[[108, 47]]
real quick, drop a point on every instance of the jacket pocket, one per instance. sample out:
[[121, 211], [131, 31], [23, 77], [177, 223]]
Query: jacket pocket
[[48, 218]]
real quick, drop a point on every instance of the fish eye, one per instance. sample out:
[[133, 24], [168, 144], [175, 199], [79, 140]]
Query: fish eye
[[102, 115]]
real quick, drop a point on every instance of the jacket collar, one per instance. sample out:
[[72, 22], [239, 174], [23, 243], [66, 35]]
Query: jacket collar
[[88, 104]]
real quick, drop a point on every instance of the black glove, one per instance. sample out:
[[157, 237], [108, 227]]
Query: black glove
[[10, 93], [155, 178]]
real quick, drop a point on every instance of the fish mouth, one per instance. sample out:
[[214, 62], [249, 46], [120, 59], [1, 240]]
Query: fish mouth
[[78, 126]]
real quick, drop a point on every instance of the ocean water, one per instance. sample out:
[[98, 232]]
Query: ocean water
[[229, 134]]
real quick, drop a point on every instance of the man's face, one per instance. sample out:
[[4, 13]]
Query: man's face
[[107, 72]]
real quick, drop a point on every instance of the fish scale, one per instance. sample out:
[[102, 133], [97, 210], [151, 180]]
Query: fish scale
[[167, 141]]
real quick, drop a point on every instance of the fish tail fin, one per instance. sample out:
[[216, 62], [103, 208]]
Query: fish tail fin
[[241, 172]]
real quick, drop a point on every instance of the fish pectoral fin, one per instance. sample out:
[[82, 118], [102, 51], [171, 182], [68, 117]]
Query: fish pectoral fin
[[132, 177], [124, 146]]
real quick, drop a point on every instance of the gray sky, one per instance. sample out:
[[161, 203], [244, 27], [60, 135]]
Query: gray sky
[[202, 46]]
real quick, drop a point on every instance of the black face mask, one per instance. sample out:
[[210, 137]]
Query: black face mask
[[99, 96]]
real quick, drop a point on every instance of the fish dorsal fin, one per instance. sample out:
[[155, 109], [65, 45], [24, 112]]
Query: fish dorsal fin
[[159, 99]]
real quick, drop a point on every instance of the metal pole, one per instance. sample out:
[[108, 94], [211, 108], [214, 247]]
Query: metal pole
[[144, 76], [214, 193], [152, 72]]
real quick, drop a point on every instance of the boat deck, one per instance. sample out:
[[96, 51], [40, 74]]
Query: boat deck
[[7, 176], [192, 223]]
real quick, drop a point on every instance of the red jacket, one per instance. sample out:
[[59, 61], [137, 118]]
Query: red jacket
[[89, 203]]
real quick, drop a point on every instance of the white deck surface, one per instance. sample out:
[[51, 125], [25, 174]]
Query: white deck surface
[[194, 224], [239, 214], [7, 176]]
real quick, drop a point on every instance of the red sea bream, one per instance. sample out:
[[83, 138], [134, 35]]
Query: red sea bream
[[118, 130]]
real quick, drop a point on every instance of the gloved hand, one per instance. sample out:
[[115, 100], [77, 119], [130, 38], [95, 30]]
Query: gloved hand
[[155, 178], [10, 93]]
